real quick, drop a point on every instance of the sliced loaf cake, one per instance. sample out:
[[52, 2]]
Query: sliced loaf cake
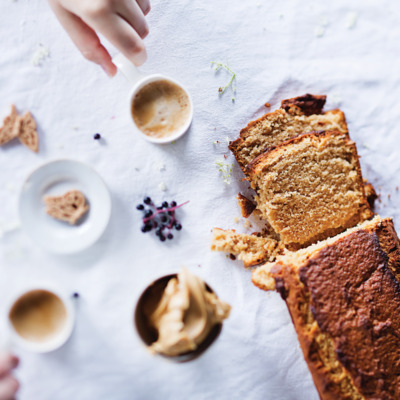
[[343, 295], [310, 187]]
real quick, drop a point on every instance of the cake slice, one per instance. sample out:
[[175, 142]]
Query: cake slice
[[310, 187], [28, 135], [251, 249], [69, 207], [297, 116], [343, 295], [11, 126]]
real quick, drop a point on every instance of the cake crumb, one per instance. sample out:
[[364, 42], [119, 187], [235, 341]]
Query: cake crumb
[[40, 54], [351, 20], [267, 105], [247, 224], [236, 220], [319, 31], [161, 166], [162, 186]]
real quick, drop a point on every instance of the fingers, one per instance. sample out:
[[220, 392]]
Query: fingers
[[130, 11], [121, 34], [8, 387], [85, 39], [144, 6], [7, 363]]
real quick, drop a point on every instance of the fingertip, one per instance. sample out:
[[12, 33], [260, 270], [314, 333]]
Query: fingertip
[[109, 68]]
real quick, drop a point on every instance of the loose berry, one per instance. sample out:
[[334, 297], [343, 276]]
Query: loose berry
[[144, 228], [140, 207], [170, 236], [96, 136], [75, 295], [148, 213], [162, 238], [147, 200], [178, 227]]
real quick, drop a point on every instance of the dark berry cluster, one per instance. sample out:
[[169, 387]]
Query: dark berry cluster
[[161, 218]]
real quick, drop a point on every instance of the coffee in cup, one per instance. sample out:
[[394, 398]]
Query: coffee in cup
[[161, 108], [40, 320]]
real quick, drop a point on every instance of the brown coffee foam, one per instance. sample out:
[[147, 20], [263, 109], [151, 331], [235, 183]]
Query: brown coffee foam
[[160, 108], [38, 315]]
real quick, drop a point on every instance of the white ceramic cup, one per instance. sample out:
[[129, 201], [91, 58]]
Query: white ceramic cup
[[58, 339], [138, 80]]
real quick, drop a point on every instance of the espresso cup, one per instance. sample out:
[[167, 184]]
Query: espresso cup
[[164, 108], [40, 319]]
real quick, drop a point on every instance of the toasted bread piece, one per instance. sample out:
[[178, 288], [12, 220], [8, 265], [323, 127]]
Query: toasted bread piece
[[299, 115], [251, 249], [28, 134], [11, 126], [69, 207], [310, 187], [343, 295]]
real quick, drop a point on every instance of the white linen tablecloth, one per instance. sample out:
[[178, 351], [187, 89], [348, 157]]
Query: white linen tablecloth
[[347, 50]]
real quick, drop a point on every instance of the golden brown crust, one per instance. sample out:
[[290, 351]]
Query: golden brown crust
[[246, 205], [308, 104], [275, 127], [344, 300]]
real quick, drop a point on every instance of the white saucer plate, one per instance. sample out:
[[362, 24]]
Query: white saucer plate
[[56, 178]]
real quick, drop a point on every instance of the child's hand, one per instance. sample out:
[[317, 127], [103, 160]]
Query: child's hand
[[122, 22], [8, 384]]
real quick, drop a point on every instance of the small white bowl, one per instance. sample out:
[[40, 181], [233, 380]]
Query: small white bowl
[[56, 178], [55, 342]]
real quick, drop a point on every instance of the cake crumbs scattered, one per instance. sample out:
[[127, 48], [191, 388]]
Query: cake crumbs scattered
[[351, 20], [225, 169], [232, 256], [161, 166], [10, 187], [41, 53], [162, 186], [319, 31], [267, 105], [225, 156], [236, 220], [247, 224]]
